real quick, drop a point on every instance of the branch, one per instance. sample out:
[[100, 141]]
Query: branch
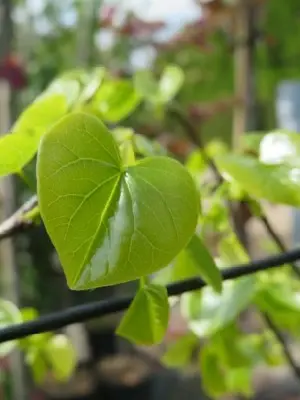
[[98, 309], [19, 221], [281, 339], [266, 223]]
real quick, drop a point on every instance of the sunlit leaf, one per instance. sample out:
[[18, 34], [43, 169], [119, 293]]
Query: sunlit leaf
[[146, 320], [212, 374], [115, 100], [232, 251], [36, 361], [61, 357], [170, 82], [216, 311], [179, 353], [110, 224], [18, 148], [239, 380], [280, 147], [146, 85], [276, 183], [9, 315], [205, 263]]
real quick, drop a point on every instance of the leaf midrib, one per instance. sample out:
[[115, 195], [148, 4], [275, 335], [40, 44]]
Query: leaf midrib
[[102, 218]]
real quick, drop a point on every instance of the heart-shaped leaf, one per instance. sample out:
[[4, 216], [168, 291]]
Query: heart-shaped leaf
[[146, 320], [110, 223]]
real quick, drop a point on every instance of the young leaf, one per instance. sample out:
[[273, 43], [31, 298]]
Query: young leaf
[[17, 149], [115, 100], [146, 85], [205, 263], [9, 314], [280, 147], [179, 353], [212, 374], [239, 380], [146, 320], [231, 250], [35, 359], [170, 83], [276, 183], [109, 223], [218, 311], [61, 357], [41, 114]]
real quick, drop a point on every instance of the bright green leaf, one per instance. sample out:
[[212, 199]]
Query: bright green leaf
[[69, 88], [232, 251], [276, 183], [61, 357], [36, 361], [146, 320], [146, 85], [115, 100], [110, 224], [9, 314], [239, 380], [170, 82], [216, 311], [18, 148], [91, 87], [280, 147], [205, 263], [212, 374], [179, 354]]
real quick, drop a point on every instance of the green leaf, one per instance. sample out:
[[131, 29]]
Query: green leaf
[[179, 354], [146, 85], [216, 311], [17, 149], [36, 361], [232, 251], [69, 88], [115, 100], [239, 380], [280, 147], [146, 320], [276, 183], [227, 343], [61, 357], [282, 304], [170, 83], [41, 114], [91, 87], [205, 263], [9, 314], [212, 374], [109, 223]]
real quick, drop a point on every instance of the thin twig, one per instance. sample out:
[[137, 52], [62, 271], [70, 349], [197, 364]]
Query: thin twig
[[18, 222], [266, 223], [195, 139], [192, 133], [84, 312], [281, 339]]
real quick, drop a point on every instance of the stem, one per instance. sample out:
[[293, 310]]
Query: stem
[[266, 223], [192, 133], [281, 339]]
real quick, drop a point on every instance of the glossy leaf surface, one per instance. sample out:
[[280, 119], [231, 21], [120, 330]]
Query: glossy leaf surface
[[110, 224]]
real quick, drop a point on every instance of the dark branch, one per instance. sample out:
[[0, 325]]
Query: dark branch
[[89, 311]]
